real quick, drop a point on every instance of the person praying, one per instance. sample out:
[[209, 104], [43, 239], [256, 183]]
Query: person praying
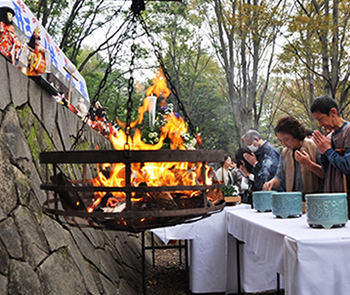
[[247, 185], [334, 147], [299, 168]]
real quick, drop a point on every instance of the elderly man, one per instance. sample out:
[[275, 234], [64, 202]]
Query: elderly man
[[264, 158], [335, 147]]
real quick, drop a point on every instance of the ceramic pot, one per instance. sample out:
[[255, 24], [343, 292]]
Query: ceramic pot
[[262, 201], [286, 204], [326, 210]]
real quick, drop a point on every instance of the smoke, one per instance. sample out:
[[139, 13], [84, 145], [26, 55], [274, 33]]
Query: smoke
[[266, 169]]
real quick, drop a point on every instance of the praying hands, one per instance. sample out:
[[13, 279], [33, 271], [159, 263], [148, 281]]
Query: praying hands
[[323, 143]]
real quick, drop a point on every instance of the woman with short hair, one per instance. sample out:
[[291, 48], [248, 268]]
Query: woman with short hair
[[299, 167]]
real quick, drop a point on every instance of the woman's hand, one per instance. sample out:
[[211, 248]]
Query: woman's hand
[[267, 186], [303, 158], [244, 170]]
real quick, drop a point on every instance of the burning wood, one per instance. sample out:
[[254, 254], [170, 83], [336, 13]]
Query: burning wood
[[126, 206], [159, 201], [148, 186]]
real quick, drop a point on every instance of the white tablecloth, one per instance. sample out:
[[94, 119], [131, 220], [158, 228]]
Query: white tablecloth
[[312, 261], [208, 249], [256, 275]]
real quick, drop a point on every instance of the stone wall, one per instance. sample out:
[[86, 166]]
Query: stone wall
[[38, 254]]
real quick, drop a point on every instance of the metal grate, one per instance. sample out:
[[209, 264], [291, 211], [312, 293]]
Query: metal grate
[[69, 198]]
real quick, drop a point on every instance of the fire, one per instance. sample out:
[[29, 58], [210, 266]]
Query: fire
[[149, 174], [159, 86]]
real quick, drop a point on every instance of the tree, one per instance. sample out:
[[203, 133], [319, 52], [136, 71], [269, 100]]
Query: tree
[[71, 23], [194, 72], [244, 36], [316, 55], [49, 13]]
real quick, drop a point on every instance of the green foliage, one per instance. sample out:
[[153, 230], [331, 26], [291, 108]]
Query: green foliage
[[51, 14], [197, 77], [314, 59], [229, 190], [114, 94], [194, 71]]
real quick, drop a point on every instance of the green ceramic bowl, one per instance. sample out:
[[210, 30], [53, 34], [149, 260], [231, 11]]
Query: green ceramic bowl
[[326, 210]]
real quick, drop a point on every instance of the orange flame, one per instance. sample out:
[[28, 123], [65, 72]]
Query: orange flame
[[159, 87], [152, 174]]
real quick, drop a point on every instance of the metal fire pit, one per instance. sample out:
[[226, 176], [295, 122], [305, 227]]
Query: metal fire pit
[[67, 199]]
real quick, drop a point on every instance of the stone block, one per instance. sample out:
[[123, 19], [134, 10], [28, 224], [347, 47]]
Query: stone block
[[11, 238], [35, 246], [57, 141], [109, 266], [4, 259], [94, 236], [13, 135], [5, 97], [53, 232], [3, 285], [3, 214], [32, 203], [18, 86], [85, 267], [35, 182], [60, 275], [62, 125], [130, 267], [73, 120], [85, 246], [35, 99], [8, 196], [22, 279], [108, 286], [21, 183], [128, 245], [49, 112], [126, 289]]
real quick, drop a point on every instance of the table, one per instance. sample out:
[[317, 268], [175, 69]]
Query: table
[[208, 263], [255, 274], [312, 261]]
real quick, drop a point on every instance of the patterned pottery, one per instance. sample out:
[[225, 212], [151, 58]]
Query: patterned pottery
[[326, 210], [262, 201], [286, 204]]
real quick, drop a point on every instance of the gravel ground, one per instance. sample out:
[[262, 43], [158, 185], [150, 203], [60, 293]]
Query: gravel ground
[[168, 277]]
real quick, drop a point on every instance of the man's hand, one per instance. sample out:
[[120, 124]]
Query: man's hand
[[250, 158], [323, 143]]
